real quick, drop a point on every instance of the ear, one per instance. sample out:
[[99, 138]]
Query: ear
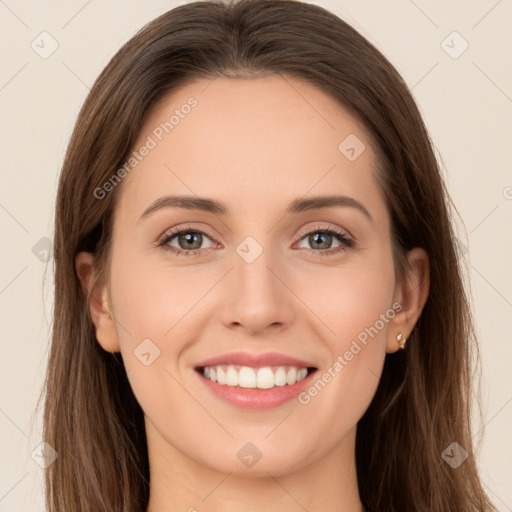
[[411, 294], [102, 317]]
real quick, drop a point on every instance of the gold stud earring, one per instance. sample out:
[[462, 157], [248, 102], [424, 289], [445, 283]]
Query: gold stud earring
[[401, 341]]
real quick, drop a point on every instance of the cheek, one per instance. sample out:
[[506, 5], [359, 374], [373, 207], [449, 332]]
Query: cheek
[[153, 300], [351, 299], [355, 305], [154, 308]]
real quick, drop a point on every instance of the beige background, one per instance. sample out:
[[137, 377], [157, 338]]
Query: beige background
[[467, 105]]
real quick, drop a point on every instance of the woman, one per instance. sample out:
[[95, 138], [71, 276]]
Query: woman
[[207, 354]]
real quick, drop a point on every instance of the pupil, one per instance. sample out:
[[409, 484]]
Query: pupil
[[189, 238], [316, 236]]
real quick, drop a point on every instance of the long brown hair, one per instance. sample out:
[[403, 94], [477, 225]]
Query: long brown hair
[[422, 404]]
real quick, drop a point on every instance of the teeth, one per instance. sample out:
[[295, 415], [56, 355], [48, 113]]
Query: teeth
[[291, 376], [246, 377], [261, 378]]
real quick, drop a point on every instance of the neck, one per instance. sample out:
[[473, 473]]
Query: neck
[[180, 484]]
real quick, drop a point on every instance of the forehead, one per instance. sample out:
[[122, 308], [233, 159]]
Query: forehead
[[249, 142]]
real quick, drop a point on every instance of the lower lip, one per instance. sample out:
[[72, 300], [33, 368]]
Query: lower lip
[[250, 398]]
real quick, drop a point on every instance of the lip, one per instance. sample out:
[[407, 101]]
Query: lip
[[256, 399], [255, 360]]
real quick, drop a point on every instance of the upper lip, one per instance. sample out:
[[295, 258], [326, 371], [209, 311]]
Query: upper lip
[[255, 360]]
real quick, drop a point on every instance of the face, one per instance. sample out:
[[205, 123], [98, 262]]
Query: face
[[269, 273]]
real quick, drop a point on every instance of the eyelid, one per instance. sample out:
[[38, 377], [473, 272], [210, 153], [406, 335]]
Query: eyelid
[[302, 232], [181, 229], [325, 227]]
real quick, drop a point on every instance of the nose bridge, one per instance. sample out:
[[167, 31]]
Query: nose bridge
[[253, 275], [257, 297]]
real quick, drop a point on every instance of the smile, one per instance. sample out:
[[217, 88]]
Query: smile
[[255, 388], [266, 377]]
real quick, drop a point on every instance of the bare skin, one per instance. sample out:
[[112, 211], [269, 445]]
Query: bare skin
[[254, 145]]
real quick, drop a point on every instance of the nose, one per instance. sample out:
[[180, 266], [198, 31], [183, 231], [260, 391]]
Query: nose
[[259, 299]]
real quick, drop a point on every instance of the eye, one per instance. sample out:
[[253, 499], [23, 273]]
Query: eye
[[188, 240], [321, 238]]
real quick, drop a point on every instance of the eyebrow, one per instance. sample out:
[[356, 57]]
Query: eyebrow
[[212, 206]]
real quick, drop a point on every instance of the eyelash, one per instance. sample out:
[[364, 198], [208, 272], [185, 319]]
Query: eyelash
[[342, 237]]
